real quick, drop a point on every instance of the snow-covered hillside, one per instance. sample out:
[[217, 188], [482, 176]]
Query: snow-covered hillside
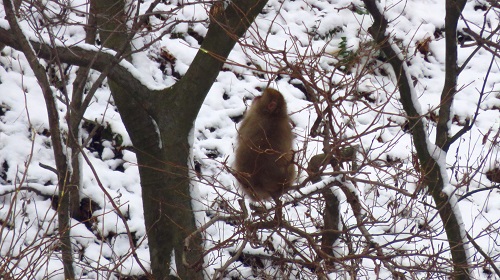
[[397, 226]]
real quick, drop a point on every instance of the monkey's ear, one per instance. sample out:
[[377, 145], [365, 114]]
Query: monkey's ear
[[272, 106]]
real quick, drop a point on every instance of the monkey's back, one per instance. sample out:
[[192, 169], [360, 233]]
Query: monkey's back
[[264, 156]]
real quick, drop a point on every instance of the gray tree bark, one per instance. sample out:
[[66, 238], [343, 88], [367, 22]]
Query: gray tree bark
[[62, 168], [430, 169], [162, 157]]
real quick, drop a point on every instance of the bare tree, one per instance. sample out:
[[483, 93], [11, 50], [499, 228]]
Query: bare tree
[[363, 84], [158, 121], [373, 195], [428, 155]]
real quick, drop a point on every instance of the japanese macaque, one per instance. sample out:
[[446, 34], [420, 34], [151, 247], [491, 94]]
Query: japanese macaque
[[264, 155]]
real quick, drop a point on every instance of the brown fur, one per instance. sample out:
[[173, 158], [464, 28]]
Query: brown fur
[[264, 153]]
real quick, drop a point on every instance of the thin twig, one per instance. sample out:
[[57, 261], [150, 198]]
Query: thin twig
[[483, 253]]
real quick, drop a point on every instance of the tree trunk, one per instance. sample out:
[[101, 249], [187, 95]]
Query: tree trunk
[[430, 169], [74, 118], [63, 172], [159, 126], [453, 11]]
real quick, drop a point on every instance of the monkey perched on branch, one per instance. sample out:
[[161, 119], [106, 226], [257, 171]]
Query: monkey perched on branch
[[264, 155]]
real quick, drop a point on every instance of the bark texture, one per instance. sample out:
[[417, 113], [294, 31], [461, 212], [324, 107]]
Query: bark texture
[[430, 170]]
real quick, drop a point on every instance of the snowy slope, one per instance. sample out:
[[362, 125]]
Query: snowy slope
[[329, 39]]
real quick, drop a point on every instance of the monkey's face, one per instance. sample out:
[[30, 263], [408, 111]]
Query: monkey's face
[[270, 103]]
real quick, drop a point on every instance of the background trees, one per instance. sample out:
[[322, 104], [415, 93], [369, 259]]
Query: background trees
[[378, 195], [157, 129]]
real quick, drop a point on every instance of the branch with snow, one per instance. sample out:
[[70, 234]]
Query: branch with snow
[[433, 168], [101, 59]]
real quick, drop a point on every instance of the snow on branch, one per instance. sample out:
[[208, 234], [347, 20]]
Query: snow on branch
[[100, 59]]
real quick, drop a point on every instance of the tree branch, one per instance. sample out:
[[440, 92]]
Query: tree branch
[[487, 258], [58, 146], [86, 56], [223, 33], [453, 11], [430, 170]]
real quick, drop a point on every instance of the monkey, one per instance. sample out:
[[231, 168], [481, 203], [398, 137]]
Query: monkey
[[264, 157]]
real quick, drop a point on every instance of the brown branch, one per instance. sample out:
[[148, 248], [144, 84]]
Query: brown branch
[[58, 146], [430, 170], [118, 212], [468, 124], [484, 42], [86, 56], [453, 12], [480, 41], [27, 188], [483, 253]]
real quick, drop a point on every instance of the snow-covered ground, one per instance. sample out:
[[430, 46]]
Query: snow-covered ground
[[330, 41]]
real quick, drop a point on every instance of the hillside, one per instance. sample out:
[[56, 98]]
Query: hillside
[[341, 93]]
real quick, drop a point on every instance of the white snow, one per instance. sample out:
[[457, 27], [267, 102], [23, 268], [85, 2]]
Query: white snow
[[366, 111]]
